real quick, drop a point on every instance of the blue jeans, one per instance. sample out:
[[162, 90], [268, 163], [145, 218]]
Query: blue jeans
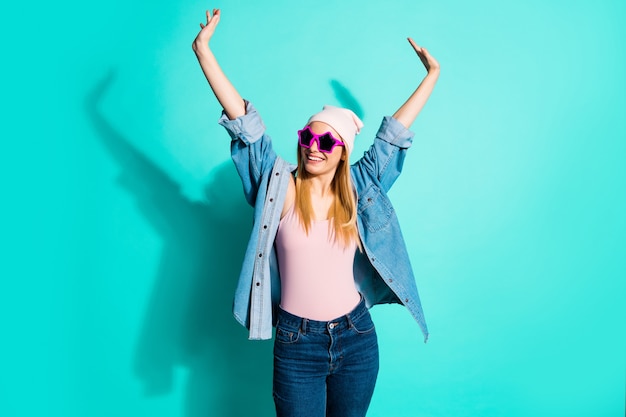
[[325, 368]]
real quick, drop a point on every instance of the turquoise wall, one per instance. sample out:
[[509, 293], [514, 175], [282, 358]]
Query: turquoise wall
[[123, 224]]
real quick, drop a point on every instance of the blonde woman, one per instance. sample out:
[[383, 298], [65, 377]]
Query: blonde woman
[[325, 245]]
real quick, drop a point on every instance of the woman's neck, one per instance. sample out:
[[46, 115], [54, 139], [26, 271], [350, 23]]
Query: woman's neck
[[321, 187], [321, 197]]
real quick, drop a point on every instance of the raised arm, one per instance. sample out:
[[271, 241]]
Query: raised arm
[[407, 113], [224, 91]]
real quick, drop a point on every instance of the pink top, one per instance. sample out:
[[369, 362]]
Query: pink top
[[317, 280]]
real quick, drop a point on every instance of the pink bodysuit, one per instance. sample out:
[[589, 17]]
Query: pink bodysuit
[[317, 280]]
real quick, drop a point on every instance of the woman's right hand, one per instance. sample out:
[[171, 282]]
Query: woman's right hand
[[206, 32], [224, 91]]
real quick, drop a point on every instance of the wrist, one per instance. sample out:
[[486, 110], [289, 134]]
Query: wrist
[[433, 71], [200, 48]]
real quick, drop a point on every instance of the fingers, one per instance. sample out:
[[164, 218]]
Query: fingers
[[211, 19], [215, 17], [414, 45], [427, 59], [420, 51]]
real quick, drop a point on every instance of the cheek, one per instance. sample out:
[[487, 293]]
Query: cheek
[[338, 154], [335, 159]]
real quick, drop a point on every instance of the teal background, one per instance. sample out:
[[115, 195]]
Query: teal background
[[123, 223]]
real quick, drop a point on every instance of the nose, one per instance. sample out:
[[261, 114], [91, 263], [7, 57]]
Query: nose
[[314, 147]]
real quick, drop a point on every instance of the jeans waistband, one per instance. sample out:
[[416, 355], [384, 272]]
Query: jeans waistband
[[316, 326]]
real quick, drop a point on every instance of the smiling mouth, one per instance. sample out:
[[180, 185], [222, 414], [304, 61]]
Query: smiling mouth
[[314, 158]]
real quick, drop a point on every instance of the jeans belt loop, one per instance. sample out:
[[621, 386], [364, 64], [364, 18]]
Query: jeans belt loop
[[303, 325], [350, 324]]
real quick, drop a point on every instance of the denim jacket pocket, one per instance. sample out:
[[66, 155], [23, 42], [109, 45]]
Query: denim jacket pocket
[[374, 208]]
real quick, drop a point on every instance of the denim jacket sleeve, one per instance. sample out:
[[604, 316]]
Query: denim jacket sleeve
[[383, 161], [265, 178], [251, 149]]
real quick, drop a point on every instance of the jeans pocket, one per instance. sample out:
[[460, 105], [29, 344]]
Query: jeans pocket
[[287, 335], [363, 325]]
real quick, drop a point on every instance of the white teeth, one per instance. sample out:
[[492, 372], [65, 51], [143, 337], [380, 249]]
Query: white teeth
[[314, 158]]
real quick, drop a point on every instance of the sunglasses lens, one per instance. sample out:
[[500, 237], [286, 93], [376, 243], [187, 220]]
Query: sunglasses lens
[[326, 142], [305, 138]]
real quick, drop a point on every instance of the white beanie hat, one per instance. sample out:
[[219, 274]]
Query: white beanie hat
[[344, 121]]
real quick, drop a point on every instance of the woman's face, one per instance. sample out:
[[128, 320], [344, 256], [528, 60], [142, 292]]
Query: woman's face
[[317, 162]]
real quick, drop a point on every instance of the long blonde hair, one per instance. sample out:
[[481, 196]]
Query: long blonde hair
[[344, 208]]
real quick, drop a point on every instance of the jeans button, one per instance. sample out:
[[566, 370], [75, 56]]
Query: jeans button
[[331, 326]]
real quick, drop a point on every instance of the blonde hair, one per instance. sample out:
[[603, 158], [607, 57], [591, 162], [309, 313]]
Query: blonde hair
[[344, 208]]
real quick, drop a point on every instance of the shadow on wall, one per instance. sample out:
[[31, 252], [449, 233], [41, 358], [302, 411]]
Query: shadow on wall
[[188, 322], [345, 98]]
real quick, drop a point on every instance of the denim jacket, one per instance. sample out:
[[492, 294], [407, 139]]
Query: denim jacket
[[382, 272]]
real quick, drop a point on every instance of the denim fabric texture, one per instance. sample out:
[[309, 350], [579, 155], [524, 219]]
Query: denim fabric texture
[[325, 368], [383, 272]]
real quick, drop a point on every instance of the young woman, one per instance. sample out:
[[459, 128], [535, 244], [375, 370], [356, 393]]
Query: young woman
[[325, 245]]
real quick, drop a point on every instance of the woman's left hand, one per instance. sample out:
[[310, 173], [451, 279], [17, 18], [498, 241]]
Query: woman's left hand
[[430, 63], [407, 113]]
